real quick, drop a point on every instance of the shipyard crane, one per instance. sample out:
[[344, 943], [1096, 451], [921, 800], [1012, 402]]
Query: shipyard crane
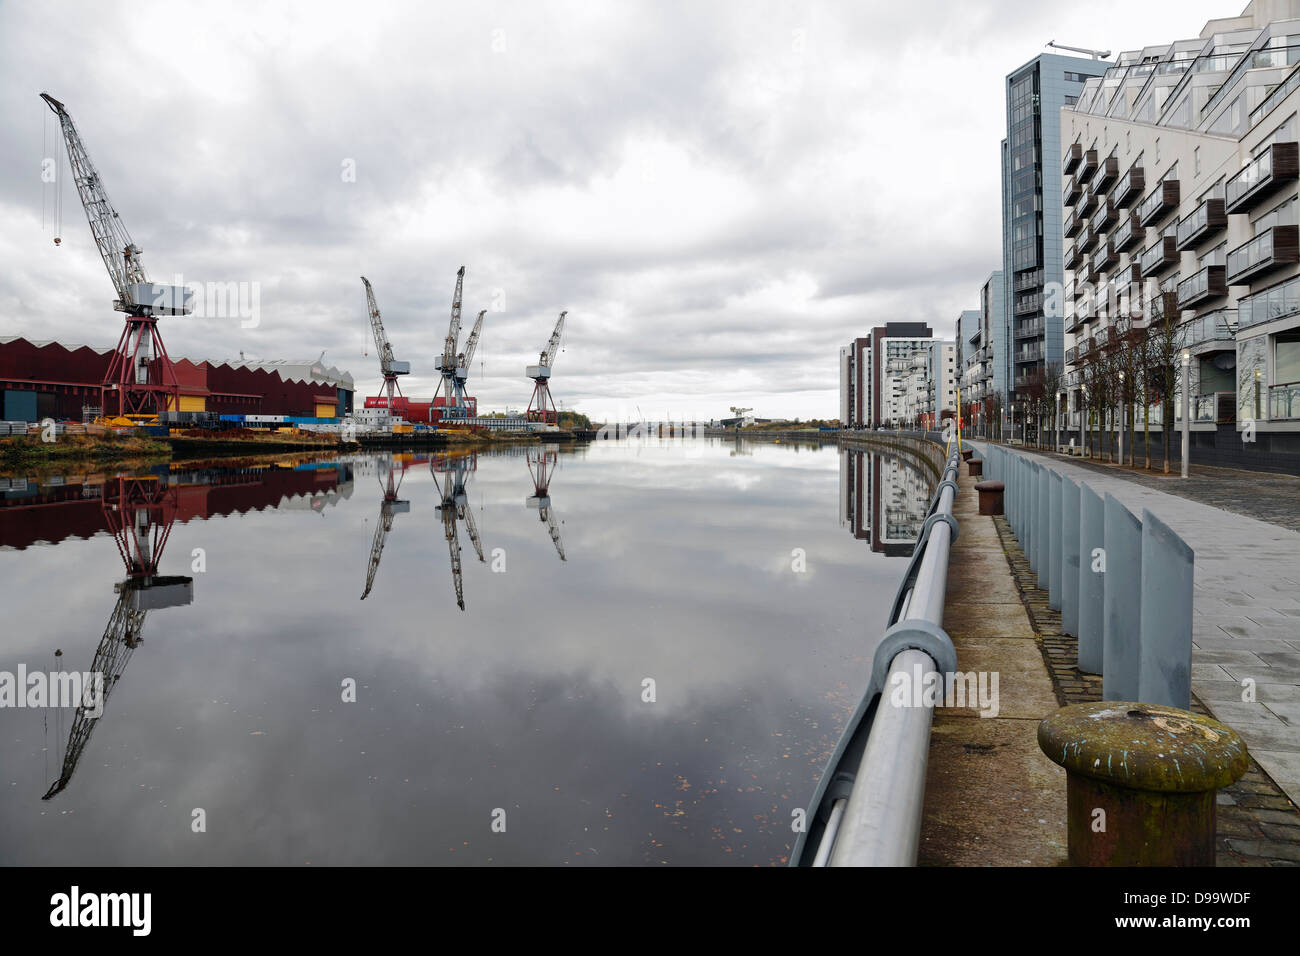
[[140, 379], [140, 513], [541, 408], [389, 507], [541, 465], [453, 507], [463, 361], [447, 362], [389, 367]]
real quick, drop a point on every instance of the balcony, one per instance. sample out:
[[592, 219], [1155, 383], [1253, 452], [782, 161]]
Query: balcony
[[1107, 173], [1129, 234], [1070, 354], [1030, 329], [1028, 280], [1107, 214], [1073, 256], [1087, 167], [1088, 241], [1160, 203], [1209, 283], [1072, 192], [1268, 172], [1131, 186], [1073, 157], [1220, 326], [1207, 221], [1105, 258], [1162, 255], [1030, 353], [1029, 304], [1087, 204], [1074, 222], [1271, 249]]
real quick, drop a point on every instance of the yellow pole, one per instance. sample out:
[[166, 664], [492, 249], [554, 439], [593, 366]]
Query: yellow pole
[[959, 419]]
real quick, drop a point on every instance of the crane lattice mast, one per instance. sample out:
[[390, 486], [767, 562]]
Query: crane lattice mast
[[389, 367], [463, 361], [140, 379], [541, 408], [447, 361]]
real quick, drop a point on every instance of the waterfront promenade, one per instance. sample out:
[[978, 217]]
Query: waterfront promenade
[[1246, 623]]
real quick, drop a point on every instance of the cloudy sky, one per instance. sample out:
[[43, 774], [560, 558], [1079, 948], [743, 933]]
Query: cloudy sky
[[719, 194]]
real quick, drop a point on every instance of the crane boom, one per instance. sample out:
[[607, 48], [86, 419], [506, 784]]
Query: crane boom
[[552, 348], [121, 256], [448, 364], [471, 344], [382, 344]]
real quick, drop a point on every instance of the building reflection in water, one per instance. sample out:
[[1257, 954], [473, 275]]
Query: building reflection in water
[[882, 500]]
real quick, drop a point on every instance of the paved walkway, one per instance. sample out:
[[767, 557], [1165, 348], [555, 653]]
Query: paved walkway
[[992, 797], [1247, 604]]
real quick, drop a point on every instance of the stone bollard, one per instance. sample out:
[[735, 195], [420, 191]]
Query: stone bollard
[[990, 493], [966, 453], [1141, 781], [975, 467]]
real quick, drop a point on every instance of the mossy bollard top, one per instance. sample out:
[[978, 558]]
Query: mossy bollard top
[[1141, 781], [1144, 747]]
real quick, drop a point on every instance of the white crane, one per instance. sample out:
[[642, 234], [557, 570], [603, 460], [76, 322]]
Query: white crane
[[1095, 54], [447, 362], [541, 408], [140, 377], [389, 367], [463, 361]]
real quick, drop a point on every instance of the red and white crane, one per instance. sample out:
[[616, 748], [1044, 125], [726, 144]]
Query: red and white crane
[[140, 379]]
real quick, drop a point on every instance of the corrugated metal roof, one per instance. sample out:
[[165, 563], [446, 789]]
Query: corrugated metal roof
[[305, 370], [42, 343]]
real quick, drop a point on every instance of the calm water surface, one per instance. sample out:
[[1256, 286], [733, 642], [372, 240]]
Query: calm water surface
[[529, 706]]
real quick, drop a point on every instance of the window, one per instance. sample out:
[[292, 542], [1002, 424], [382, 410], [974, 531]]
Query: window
[[1157, 150], [1196, 161], [1071, 100], [1128, 142], [1286, 357]]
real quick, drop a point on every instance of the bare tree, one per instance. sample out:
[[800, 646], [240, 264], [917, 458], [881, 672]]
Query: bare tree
[[1164, 348]]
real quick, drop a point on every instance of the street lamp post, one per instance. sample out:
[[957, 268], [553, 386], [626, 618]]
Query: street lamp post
[[1059, 415], [1121, 419], [1083, 421], [1187, 416]]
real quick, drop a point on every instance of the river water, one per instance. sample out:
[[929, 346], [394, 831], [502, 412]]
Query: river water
[[655, 675]]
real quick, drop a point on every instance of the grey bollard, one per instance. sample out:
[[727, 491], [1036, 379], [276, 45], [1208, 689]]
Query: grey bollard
[[1031, 517], [1069, 557], [1054, 539], [1045, 528], [1092, 583], [1168, 588], [1122, 606]]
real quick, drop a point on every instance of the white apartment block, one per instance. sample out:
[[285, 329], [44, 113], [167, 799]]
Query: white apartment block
[[1181, 174]]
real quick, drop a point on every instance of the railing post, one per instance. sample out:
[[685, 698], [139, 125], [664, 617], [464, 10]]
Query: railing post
[[1069, 557], [1054, 531], [1168, 589], [1092, 581], [1122, 603]]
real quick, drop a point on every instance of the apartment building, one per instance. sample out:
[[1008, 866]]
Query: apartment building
[[1180, 174], [1027, 336], [878, 374]]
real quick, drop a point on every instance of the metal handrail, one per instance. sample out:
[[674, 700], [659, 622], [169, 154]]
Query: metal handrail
[[873, 812]]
